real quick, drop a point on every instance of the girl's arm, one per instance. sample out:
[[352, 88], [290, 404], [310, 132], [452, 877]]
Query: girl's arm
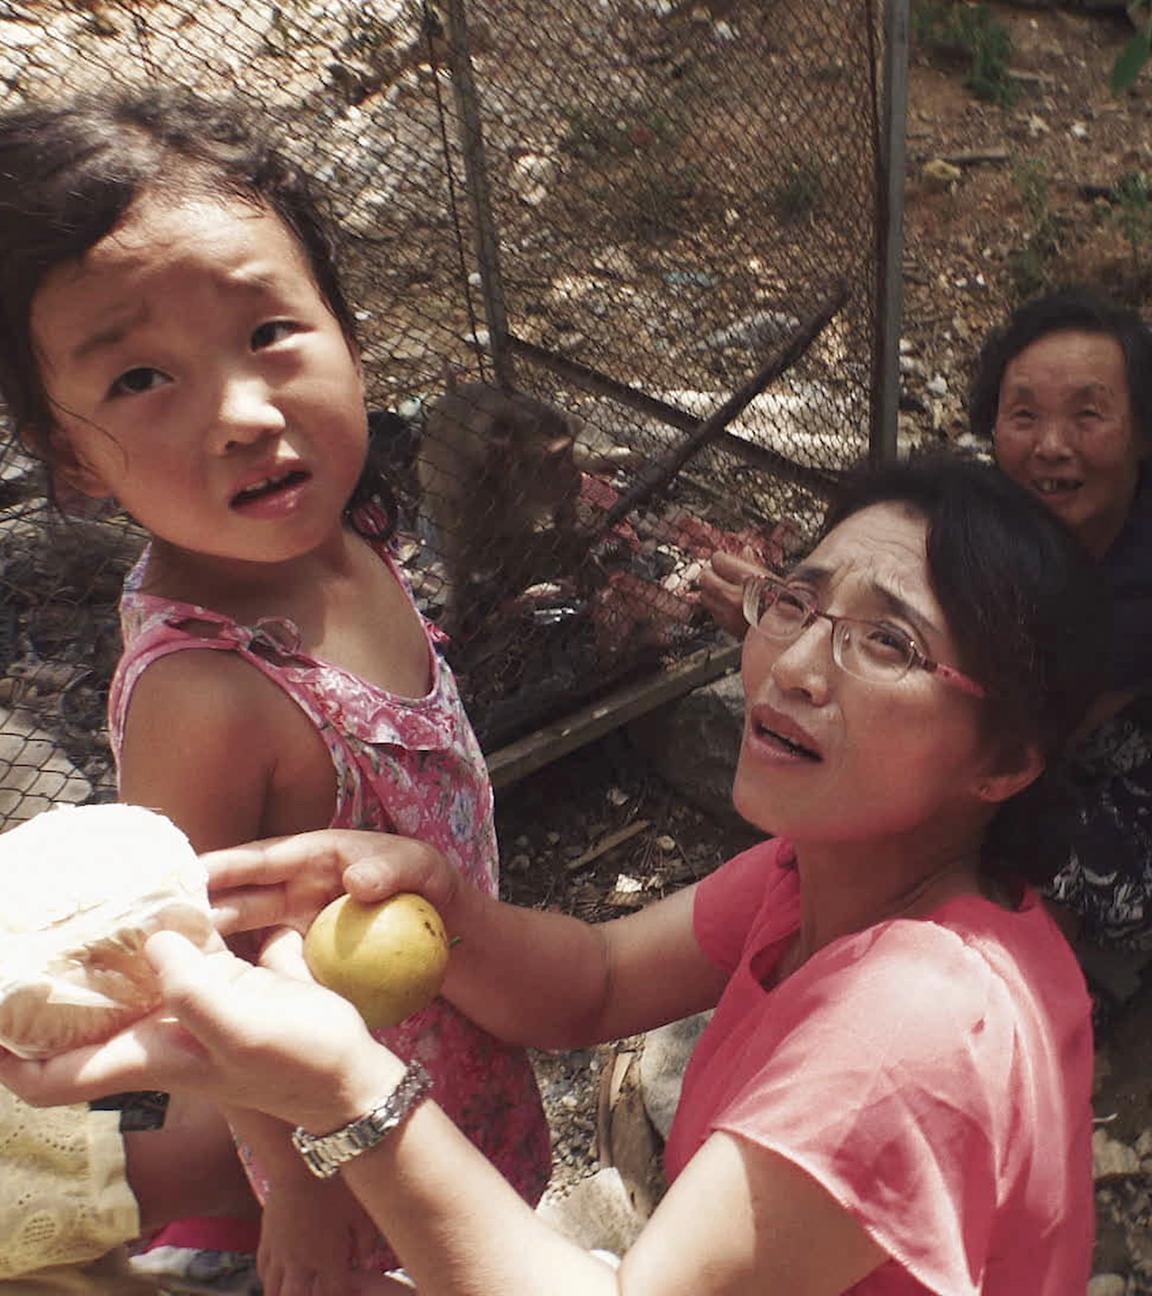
[[528, 976], [314, 1234], [222, 751]]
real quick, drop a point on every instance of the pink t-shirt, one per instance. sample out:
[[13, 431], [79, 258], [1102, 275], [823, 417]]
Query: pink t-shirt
[[934, 1074]]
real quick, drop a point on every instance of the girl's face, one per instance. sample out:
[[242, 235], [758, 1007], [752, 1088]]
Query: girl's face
[[1065, 431], [198, 376], [829, 757]]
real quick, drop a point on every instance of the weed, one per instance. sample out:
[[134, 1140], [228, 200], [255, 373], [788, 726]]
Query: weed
[[658, 201], [599, 137], [1029, 267], [1132, 210], [798, 195], [972, 34]]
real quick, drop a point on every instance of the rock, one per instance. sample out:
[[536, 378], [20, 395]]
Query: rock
[[662, 1063], [596, 1214], [693, 743], [760, 329], [939, 174], [1107, 1285], [1110, 1254], [1112, 1159], [1118, 971]]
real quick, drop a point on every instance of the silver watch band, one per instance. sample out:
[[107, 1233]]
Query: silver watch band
[[324, 1154]]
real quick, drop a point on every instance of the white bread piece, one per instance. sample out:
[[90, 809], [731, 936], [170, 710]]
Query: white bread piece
[[81, 889]]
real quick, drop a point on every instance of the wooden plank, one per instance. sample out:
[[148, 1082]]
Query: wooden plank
[[538, 749]]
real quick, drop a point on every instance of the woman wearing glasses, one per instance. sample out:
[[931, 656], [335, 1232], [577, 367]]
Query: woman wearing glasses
[[892, 1096], [1063, 393]]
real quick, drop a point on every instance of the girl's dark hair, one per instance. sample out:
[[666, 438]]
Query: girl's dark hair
[[1029, 615], [70, 173], [1074, 309]]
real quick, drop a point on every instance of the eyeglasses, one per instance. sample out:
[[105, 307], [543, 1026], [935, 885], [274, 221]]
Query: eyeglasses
[[869, 650]]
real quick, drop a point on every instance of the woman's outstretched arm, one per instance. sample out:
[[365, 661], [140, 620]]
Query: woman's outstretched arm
[[528, 976]]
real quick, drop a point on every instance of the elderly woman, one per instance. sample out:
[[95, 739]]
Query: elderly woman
[[892, 1096], [1064, 394]]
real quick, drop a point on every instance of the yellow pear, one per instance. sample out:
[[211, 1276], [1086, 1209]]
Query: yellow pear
[[386, 959]]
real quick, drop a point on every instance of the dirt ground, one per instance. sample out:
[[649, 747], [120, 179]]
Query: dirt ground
[[1029, 203]]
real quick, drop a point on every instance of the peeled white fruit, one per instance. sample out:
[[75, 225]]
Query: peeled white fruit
[[81, 889]]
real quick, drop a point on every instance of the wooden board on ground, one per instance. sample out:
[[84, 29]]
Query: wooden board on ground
[[538, 749]]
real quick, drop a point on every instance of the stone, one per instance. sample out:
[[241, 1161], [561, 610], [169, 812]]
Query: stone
[[940, 175], [662, 1063], [693, 744], [1112, 1159], [1107, 1285], [596, 1214]]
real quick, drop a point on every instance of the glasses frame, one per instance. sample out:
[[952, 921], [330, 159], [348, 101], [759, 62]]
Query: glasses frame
[[916, 659]]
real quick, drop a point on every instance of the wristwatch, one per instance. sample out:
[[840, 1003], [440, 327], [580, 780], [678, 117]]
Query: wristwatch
[[324, 1154]]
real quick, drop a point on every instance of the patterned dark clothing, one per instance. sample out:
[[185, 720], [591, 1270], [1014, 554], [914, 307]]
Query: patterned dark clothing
[[1107, 876]]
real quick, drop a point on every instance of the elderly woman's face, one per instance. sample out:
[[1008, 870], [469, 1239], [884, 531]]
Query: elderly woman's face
[[1065, 431], [828, 756]]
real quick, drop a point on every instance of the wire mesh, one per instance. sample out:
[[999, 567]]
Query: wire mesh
[[572, 232]]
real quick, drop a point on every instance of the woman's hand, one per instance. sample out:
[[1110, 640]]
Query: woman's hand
[[244, 1036], [287, 881], [722, 590]]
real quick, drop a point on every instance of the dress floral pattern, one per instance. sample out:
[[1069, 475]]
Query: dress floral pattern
[[410, 766]]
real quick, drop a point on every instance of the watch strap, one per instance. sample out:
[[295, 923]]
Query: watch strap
[[324, 1154]]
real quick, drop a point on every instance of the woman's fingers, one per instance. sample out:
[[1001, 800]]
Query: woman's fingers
[[401, 864], [735, 568], [722, 589], [137, 1058], [279, 860], [287, 881], [283, 952]]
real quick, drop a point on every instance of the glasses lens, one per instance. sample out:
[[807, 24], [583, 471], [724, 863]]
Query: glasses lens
[[781, 613], [872, 651]]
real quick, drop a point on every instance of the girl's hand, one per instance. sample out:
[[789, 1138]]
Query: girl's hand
[[314, 1237], [722, 589], [287, 881], [244, 1036]]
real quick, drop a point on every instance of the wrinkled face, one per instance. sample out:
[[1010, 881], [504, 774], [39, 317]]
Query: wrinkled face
[[1065, 431], [198, 376], [830, 757]]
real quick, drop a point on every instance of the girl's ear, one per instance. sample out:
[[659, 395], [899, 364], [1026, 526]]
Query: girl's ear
[[56, 450], [1014, 772]]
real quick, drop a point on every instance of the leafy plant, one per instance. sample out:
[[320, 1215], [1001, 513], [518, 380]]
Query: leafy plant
[[972, 34], [799, 193], [1132, 210], [1030, 265], [1136, 53]]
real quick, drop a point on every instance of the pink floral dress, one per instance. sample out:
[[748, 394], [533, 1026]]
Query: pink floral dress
[[409, 766]]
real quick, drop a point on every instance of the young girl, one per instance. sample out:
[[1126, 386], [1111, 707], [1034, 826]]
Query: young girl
[[174, 337]]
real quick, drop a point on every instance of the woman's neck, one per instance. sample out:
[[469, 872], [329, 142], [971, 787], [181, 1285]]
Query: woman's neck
[[847, 887]]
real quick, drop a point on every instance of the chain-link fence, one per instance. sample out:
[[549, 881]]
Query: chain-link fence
[[616, 270]]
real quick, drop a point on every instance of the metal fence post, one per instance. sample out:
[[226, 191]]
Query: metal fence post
[[479, 195], [886, 396]]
